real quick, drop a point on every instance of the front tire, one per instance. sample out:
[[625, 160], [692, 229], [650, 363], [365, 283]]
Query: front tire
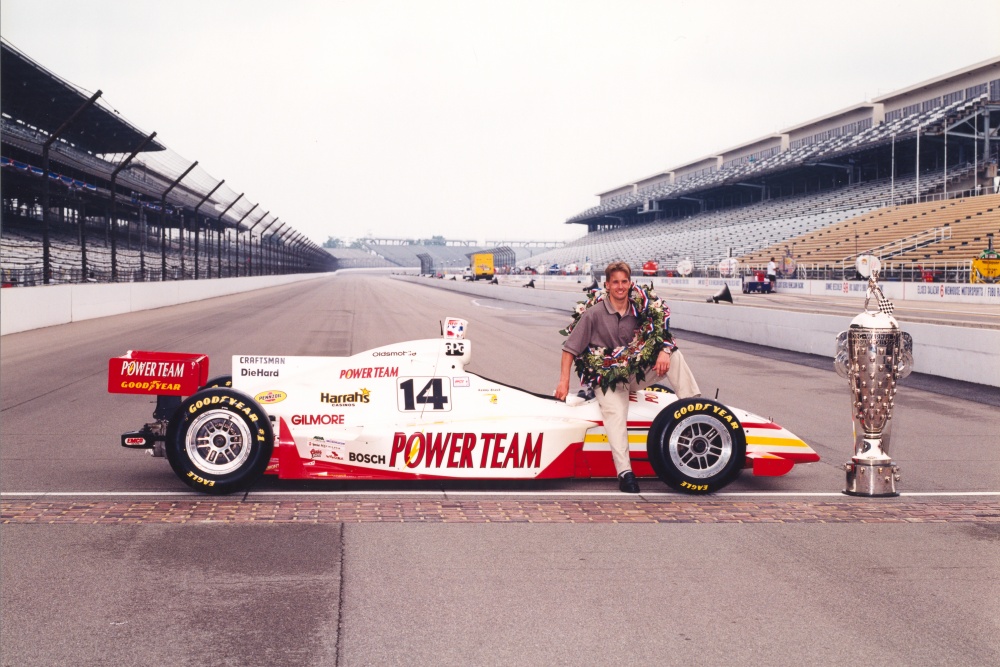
[[696, 445], [219, 441]]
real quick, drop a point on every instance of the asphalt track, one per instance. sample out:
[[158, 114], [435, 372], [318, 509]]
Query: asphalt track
[[107, 559]]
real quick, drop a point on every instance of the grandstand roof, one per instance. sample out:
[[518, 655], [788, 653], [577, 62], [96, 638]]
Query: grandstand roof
[[956, 74], [32, 94], [860, 106], [981, 70]]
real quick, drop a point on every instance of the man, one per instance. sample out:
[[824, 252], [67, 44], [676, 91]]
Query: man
[[610, 324], [772, 273]]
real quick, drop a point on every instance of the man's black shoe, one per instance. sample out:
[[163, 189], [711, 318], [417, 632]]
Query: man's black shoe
[[627, 483]]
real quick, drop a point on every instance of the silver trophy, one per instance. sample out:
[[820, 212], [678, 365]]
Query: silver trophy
[[873, 354]]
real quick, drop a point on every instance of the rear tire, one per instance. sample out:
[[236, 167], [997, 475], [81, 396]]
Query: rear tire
[[696, 445], [219, 441]]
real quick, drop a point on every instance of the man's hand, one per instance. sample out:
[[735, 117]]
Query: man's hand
[[562, 389], [662, 363], [565, 364]]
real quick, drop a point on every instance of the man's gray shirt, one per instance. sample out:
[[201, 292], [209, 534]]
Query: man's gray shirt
[[601, 327]]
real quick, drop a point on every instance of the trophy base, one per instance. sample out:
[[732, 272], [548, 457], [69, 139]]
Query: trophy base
[[874, 480]]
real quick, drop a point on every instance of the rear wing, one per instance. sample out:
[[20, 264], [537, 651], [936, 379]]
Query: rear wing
[[157, 373]]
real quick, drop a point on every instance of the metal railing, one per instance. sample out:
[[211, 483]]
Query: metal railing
[[936, 271], [898, 247]]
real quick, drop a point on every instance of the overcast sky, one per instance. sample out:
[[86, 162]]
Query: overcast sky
[[479, 120]]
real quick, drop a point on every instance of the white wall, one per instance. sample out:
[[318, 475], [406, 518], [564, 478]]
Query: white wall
[[27, 308], [942, 292], [961, 353]]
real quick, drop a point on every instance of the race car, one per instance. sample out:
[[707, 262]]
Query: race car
[[411, 410]]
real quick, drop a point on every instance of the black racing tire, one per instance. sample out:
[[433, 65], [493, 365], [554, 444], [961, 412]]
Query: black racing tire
[[219, 441], [696, 445], [224, 381]]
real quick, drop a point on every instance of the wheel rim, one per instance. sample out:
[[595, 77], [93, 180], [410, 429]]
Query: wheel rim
[[700, 446], [218, 442]]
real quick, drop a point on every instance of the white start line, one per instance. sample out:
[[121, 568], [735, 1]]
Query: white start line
[[36, 495]]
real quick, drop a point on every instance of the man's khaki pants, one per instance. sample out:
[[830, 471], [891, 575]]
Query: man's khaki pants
[[614, 405]]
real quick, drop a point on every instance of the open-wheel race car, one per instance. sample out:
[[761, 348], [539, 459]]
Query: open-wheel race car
[[412, 411]]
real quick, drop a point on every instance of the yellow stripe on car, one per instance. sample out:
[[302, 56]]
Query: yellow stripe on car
[[758, 440], [774, 442], [632, 438]]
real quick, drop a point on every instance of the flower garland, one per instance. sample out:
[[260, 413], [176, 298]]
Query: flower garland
[[606, 367]]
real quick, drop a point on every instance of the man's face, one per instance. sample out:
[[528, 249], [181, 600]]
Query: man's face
[[618, 285]]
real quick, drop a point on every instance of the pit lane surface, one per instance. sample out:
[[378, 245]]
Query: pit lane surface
[[131, 569]]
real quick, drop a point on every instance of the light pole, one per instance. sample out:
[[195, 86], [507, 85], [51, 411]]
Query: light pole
[[200, 203], [114, 213], [218, 235], [892, 175], [237, 228], [250, 242], [163, 232], [975, 154], [946, 157], [261, 257]]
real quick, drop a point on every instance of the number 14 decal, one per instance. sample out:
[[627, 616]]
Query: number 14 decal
[[434, 395]]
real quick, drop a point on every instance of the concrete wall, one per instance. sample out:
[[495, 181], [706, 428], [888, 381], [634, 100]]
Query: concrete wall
[[27, 308], [941, 292], [960, 353]]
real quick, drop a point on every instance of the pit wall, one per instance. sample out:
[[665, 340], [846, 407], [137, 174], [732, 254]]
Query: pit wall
[[943, 292], [27, 308], [962, 353]]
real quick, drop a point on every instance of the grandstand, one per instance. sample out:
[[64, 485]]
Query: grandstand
[[909, 240], [913, 151], [910, 176], [444, 257], [87, 196]]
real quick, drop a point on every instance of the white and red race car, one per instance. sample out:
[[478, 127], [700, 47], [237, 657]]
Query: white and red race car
[[411, 411]]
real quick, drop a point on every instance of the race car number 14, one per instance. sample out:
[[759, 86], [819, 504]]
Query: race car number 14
[[434, 394]]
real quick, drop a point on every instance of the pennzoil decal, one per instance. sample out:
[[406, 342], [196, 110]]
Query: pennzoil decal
[[270, 396]]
